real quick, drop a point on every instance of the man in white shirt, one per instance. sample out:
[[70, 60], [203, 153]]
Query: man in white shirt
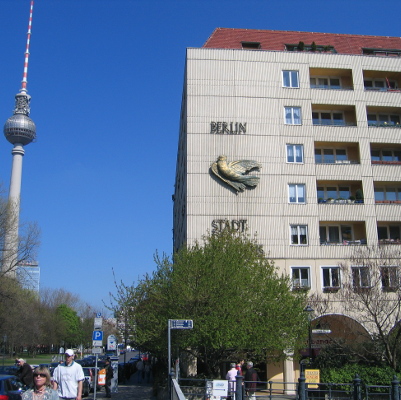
[[68, 378]]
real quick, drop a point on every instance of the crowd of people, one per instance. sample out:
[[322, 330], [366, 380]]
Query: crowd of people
[[250, 375]]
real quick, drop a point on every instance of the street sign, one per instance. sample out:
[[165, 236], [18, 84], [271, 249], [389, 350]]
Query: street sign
[[97, 325], [327, 331], [181, 324], [96, 350], [97, 338], [111, 343]]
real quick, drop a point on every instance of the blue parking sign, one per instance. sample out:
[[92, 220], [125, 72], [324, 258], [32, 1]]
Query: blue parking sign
[[97, 338]]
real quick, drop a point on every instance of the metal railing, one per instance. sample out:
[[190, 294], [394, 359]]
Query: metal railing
[[200, 389]]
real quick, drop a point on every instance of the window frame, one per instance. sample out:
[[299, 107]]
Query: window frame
[[379, 119], [390, 282], [361, 277], [329, 84], [292, 119], [336, 157], [299, 235], [332, 120], [297, 196], [337, 188], [294, 150], [331, 269], [290, 78], [299, 269], [340, 233], [384, 190]]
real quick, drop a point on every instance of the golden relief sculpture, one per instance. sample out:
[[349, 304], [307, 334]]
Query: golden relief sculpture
[[235, 173]]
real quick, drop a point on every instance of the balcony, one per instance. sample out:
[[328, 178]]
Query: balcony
[[339, 192], [382, 81], [336, 153], [385, 154], [333, 115], [387, 192], [342, 233], [331, 79], [389, 233], [384, 117]]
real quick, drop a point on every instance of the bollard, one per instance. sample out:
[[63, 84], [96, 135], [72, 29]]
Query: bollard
[[395, 392], [357, 388], [238, 386], [302, 386]]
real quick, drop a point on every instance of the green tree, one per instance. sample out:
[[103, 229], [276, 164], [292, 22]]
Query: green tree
[[233, 293], [70, 326]]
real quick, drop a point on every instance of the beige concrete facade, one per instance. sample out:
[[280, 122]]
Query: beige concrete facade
[[341, 150]]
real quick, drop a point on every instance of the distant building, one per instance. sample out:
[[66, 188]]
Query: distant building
[[28, 275], [316, 119]]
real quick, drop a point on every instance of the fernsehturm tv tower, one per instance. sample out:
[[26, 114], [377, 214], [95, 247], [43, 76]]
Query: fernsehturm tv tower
[[19, 130]]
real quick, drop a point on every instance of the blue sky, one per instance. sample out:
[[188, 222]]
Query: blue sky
[[106, 80]]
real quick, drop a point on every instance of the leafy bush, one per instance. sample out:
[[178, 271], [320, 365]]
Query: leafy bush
[[370, 375]]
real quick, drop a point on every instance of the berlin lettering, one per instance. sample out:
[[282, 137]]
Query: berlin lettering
[[219, 225], [228, 128]]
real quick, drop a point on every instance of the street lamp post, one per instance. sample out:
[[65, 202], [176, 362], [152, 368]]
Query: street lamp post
[[309, 310]]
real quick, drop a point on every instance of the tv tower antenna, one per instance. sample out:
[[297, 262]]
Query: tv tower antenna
[[19, 130]]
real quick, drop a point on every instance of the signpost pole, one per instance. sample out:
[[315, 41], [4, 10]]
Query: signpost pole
[[169, 348]]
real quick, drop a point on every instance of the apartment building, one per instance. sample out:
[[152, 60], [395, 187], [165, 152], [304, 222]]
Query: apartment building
[[313, 123]]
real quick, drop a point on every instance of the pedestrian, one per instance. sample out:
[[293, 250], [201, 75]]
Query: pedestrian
[[68, 378], [147, 371], [232, 378], [238, 368], [109, 377], [140, 366], [251, 379], [24, 372], [41, 386]]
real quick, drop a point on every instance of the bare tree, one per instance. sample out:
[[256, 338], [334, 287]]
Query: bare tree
[[15, 247], [370, 293]]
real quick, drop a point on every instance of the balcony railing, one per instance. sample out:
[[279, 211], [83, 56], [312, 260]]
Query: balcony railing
[[328, 87], [382, 89], [381, 162], [339, 201], [328, 122], [388, 202], [389, 241], [337, 161], [383, 124], [358, 242]]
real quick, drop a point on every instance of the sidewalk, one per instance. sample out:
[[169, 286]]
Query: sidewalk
[[128, 391]]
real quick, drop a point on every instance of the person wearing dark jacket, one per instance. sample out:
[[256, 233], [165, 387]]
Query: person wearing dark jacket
[[24, 372], [109, 377], [251, 379]]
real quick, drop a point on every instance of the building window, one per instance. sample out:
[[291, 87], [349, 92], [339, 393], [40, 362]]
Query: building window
[[295, 153], [300, 277], [383, 120], [296, 193], [250, 45], [390, 277], [333, 192], [325, 83], [360, 277], [292, 115], [299, 234], [330, 156], [335, 234], [385, 155], [328, 118], [331, 277], [388, 194], [390, 233], [380, 84], [290, 79]]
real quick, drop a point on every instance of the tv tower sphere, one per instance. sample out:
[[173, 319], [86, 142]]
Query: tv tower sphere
[[19, 128]]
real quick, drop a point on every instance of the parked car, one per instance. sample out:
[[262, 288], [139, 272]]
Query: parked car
[[89, 373], [11, 387], [85, 388]]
